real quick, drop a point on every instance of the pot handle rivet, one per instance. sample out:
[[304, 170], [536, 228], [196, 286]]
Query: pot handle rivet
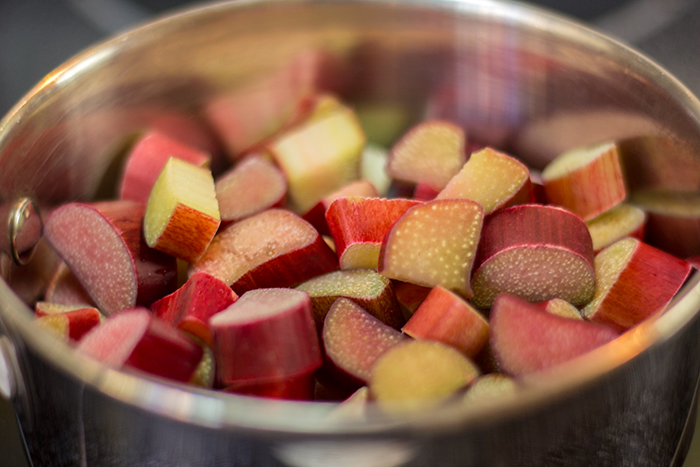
[[23, 229]]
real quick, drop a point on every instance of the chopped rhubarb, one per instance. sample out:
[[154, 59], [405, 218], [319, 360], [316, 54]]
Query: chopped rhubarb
[[526, 339], [635, 281], [434, 244], [535, 252], [135, 338], [359, 225], [274, 248], [266, 335]]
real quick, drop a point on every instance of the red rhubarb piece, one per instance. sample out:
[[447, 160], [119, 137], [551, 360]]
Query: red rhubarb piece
[[266, 335], [358, 226], [135, 338], [526, 339], [146, 160], [536, 252], [353, 340], [673, 220], [252, 186], [182, 213], [635, 281], [103, 245], [446, 317], [190, 307], [316, 216], [275, 248], [493, 179], [431, 152], [72, 321], [586, 180]]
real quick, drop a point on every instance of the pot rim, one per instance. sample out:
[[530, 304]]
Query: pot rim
[[214, 409]]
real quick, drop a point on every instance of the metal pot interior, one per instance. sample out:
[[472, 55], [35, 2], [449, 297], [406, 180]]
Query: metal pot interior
[[522, 80]]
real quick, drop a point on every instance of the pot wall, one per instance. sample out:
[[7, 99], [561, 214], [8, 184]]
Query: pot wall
[[531, 84]]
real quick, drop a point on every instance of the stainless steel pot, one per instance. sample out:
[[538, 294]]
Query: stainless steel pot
[[526, 81]]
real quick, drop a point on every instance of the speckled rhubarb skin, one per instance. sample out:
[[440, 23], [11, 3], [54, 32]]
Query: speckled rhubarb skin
[[535, 231], [434, 243], [274, 248], [103, 245], [353, 340]]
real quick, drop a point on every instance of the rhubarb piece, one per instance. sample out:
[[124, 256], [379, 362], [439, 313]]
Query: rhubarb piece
[[358, 226], [525, 339], [319, 157], [635, 281], [256, 112], [182, 214], [410, 296], [373, 163], [318, 106], [445, 317], [147, 159], [204, 374], [316, 216], [251, 115], [535, 252], [70, 321], [417, 375], [272, 249], [252, 186], [492, 179], [434, 244], [366, 287], [624, 220], [266, 335], [135, 338], [431, 152], [353, 340], [490, 386], [190, 307], [103, 245], [66, 289], [586, 180], [673, 223], [560, 307]]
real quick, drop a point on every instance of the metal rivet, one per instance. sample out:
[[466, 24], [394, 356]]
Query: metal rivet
[[24, 230]]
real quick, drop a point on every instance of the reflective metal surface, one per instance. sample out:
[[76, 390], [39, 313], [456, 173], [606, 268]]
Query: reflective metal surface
[[527, 82]]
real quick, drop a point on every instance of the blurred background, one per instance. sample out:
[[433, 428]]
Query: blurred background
[[39, 35]]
